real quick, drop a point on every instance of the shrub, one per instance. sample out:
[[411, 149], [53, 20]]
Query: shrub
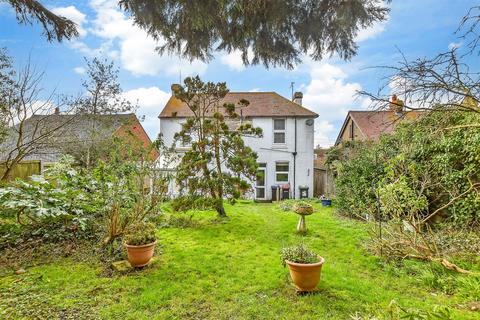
[[140, 233], [299, 254], [191, 202], [59, 205], [430, 166], [425, 173]]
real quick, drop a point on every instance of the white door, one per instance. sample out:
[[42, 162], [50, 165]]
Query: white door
[[260, 186]]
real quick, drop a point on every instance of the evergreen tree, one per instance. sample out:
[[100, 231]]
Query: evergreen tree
[[218, 165], [276, 32], [54, 27]]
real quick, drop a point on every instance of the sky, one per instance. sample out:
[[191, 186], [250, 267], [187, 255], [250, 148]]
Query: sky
[[415, 29]]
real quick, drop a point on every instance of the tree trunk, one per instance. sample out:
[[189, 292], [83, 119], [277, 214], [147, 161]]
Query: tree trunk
[[220, 209], [8, 171]]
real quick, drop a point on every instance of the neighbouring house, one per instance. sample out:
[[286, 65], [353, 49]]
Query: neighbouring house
[[369, 125], [46, 138], [285, 152]]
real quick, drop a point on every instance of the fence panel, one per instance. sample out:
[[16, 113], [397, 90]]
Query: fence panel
[[23, 170]]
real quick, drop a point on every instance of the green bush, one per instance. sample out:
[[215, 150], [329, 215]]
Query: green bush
[[423, 166], [191, 202], [62, 204], [140, 233], [299, 254]]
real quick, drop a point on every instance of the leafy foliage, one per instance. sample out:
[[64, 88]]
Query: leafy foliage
[[425, 173], [102, 96], [217, 164], [140, 233], [429, 168], [54, 27], [299, 254], [70, 200], [130, 188], [61, 204], [273, 33], [7, 74]]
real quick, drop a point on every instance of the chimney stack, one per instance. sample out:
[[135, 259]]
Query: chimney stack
[[396, 104], [57, 111], [297, 97]]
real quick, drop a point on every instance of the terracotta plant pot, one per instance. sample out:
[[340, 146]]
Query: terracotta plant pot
[[305, 276], [140, 256]]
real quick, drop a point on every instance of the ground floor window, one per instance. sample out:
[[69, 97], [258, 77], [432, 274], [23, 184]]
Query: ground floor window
[[281, 171], [260, 186]]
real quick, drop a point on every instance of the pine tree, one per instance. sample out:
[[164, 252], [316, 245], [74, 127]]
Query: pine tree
[[218, 165], [276, 33], [54, 27]]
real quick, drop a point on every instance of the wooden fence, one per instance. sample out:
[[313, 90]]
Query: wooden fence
[[24, 169], [322, 183]]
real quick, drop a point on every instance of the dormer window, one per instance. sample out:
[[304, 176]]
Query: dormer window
[[279, 131]]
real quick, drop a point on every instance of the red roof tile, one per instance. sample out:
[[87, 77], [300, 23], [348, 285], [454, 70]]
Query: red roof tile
[[374, 123]]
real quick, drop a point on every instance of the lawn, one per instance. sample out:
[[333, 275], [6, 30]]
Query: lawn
[[231, 270]]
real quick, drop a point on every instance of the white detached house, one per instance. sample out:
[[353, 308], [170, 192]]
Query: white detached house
[[285, 152]]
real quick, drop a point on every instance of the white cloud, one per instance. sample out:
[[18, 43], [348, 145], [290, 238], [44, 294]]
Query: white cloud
[[150, 101], [454, 45], [324, 132], [331, 96], [132, 46], [370, 32], [234, 59], [79, 70], [75, 15]]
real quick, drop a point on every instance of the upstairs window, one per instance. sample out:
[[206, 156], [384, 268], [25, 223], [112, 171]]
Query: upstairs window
[[281, 171], [279, 135]]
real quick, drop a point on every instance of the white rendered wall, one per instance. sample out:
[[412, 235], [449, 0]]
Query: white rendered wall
[[268, 152]]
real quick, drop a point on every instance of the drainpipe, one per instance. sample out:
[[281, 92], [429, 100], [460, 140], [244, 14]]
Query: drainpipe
[[294, 161]]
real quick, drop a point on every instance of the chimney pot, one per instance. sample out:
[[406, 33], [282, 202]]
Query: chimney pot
[[396, 105], [297, 97], [57, 111]]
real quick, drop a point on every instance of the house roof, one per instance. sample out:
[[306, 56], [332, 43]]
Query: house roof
[[262, 104], [374, 123], [62, 129]]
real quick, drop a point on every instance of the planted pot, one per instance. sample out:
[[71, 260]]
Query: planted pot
[[305, 276], [326, 202], [140, 243], [140, 256]]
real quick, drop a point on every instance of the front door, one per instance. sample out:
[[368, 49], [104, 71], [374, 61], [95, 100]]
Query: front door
[[260, 187]]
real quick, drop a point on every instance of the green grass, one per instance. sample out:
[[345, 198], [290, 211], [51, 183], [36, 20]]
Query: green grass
[[231, 270]]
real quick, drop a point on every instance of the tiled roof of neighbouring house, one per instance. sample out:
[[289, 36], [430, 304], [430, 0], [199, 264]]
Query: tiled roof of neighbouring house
[[262, 104], [374, 123], [62, 129]]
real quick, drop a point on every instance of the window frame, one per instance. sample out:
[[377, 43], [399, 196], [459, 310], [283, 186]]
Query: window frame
[[282, 172], [284, 131], [263, 167]]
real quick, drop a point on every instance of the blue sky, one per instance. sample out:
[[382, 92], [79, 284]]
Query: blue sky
[[416, 27]]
